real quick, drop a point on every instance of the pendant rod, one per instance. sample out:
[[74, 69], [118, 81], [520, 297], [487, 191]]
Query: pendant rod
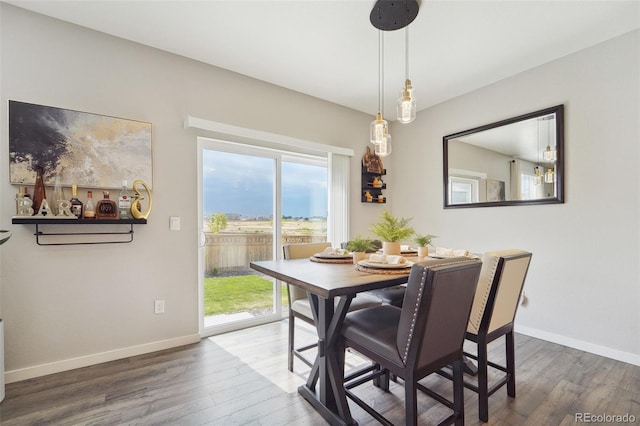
[[406, 52], [380, 71]]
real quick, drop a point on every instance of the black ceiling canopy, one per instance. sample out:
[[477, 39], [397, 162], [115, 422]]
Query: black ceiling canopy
[[389, 15]]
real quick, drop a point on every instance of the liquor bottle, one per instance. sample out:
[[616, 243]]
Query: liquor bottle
[[124, 202], [58, 195], [89, 209], [39, 193], [106, 208], [27, 203], [20, 200], [76, 205]]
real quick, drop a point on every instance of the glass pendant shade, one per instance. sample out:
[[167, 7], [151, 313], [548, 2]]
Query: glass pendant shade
[[406, 104], [379, 129], [384, 148], [549, 176], [549, 154], [538, 177]]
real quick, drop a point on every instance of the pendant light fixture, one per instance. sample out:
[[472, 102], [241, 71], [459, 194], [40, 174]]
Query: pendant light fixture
[[538, 176], [550, 176], [379, 128], [407, 102], [538, 168], [549, 154], [389, 15]]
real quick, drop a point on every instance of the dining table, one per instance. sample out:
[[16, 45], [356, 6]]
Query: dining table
[[330, 288]]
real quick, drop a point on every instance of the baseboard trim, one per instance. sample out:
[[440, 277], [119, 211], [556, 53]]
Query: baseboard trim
[[85, 361], [627, 357]]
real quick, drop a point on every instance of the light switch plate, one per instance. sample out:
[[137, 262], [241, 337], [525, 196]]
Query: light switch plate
[[174, 223]]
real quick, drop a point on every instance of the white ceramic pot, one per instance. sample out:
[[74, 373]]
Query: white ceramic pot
[[391, 248]]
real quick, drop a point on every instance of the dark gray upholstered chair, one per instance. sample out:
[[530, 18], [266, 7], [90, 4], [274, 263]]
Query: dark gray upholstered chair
[[420, 338], [492, 315], [299, 306]]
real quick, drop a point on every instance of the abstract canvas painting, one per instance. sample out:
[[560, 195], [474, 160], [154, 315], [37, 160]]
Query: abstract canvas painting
[[495, 190], [89, 150]]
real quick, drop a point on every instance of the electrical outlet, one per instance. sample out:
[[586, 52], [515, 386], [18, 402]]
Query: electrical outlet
[[159, 306]]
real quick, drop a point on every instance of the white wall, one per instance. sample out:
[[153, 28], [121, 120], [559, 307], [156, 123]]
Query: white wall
[[65, 307], [583, 286]]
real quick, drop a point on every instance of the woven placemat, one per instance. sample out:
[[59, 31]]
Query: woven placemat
[[400, 271], [324, 260]]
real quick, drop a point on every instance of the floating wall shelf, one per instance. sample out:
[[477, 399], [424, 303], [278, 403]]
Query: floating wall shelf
[[32, 220], [375, 192]]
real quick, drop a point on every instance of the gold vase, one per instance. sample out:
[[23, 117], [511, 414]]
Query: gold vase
[[136, 206]]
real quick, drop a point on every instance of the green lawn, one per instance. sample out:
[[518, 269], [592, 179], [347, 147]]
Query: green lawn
[[238, 294]]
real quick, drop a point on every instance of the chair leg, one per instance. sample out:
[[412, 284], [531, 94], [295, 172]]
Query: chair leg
[[291, 330], [411, 402], [511, 364], [458, 392], [483, 386], [381, 382]]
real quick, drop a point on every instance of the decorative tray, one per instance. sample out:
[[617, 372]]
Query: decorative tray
[[378, 265], [333, 256], [382, 271], [332, 260]]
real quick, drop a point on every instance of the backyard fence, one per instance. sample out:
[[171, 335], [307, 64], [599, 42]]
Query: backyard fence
[[227, 253]]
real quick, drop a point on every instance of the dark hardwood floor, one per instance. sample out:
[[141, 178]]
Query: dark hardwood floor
[[241, 378]]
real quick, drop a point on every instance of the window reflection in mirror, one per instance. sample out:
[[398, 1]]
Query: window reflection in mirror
[[511, 162]]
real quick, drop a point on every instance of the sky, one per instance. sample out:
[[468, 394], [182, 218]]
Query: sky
[[243, 184]]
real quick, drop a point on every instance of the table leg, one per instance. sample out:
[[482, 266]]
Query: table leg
[[329, 399]]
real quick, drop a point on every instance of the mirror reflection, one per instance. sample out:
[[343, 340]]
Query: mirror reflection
[[511, 162]]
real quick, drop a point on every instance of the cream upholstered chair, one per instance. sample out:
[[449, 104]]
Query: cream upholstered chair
[[414, 341], [492, 315], [299, 306]]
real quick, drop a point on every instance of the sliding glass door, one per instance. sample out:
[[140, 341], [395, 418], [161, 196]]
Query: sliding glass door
[[252, 201]]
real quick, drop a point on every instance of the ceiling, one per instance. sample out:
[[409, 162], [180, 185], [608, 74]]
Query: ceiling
[[328, 48]]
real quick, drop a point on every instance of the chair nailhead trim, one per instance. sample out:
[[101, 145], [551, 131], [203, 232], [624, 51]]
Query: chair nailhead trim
[[485, 296], [423, 280]]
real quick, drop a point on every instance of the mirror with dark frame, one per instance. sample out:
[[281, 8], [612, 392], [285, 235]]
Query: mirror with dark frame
[[517, 161]]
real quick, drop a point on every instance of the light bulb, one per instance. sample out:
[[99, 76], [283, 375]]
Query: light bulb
[[538, 177], [378, 129], [406, 108], [383, 148]]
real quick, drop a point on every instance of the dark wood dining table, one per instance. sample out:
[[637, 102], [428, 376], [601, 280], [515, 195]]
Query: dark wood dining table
[[324, 283]]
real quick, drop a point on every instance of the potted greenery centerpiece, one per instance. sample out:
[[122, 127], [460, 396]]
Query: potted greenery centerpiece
[[391, 231], [423, 241], [360, 246]]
